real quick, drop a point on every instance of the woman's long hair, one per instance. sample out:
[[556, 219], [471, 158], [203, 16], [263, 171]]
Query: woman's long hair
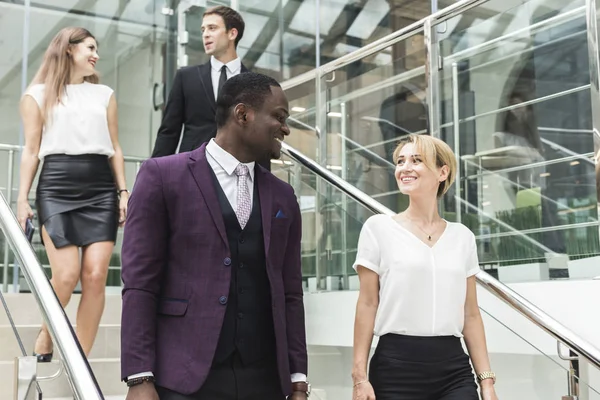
[[55, 71]]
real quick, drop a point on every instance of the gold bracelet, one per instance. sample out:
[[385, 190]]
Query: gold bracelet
[[487, 375], [361, 382]]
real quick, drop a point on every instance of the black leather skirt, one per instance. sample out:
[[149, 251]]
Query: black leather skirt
[[76, 200]]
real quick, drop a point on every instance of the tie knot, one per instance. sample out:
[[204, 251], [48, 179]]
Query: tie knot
[[242, 170], [224, 68]]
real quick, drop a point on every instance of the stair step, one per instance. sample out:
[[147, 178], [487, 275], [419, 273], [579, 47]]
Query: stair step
[[107, 344], [106, 370]]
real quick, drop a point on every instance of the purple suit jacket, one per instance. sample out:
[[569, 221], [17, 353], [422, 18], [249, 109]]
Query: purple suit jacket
[[174, 272]]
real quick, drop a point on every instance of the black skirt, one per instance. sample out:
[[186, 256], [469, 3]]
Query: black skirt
[[76, 200], [421, 368]]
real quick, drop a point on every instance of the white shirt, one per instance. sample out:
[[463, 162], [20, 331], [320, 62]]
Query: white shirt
[[223, 164], [422, 289], [79, 123], [234, 67]]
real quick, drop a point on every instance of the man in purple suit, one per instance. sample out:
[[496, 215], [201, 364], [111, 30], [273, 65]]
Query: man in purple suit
[[212, 298]]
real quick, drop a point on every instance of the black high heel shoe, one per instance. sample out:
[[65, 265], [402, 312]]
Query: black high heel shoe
[[43, 357]]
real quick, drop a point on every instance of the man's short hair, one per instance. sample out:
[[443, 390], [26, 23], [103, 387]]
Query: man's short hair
[[232, 19], [249, 88]]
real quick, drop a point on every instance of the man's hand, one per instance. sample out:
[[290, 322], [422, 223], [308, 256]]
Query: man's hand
[[143, 391], [298, 396]]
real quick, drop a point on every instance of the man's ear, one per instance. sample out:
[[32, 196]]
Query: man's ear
[[233, 34], [243, 114]]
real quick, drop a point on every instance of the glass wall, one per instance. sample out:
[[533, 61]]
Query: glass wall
[[136, 41]]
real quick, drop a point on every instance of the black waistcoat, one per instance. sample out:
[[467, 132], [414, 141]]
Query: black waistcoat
[[248, 324]]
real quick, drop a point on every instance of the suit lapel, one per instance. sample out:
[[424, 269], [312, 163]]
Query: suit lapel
[[201, 172], [266, 204], [206, 80]]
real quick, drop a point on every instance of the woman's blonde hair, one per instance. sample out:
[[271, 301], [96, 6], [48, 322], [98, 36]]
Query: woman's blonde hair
[[435, 154], [57, 65]]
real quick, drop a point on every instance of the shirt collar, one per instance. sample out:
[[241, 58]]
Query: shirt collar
[[228, 162], [233, 66]]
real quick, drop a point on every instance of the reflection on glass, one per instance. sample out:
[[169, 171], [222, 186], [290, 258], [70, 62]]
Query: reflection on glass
[[528, 186]]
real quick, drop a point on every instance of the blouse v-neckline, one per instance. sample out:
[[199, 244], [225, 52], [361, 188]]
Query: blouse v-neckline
[[433, 245]]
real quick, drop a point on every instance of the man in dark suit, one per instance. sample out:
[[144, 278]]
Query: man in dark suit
[[212, 297], [192, 101]]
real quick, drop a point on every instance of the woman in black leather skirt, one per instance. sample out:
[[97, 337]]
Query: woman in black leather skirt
[[418, 292], [70, 123]]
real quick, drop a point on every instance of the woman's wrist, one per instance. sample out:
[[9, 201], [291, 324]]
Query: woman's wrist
[[486, 383], [359, 376]]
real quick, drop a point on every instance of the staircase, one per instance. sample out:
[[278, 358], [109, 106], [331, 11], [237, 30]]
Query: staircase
[[104, 358]]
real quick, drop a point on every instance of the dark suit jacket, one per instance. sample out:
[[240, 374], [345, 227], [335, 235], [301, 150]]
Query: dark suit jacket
[[176, 267], [192, 105]]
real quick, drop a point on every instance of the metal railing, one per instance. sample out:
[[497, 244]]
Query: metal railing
[[75, 364], [498, 289]]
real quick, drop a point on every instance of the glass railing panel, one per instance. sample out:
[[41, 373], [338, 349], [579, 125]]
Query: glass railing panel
[[331, 223], [370, 105], [19, 324], [516, 107], [302, 122]]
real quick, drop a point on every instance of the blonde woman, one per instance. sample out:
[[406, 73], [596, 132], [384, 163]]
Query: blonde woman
[[417, 292], [70, 122]]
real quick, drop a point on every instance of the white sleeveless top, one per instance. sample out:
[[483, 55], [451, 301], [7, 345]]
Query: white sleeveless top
[[422, 289], [79, 123]]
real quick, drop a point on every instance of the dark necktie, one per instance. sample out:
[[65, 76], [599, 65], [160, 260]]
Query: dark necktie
[[222, 79]]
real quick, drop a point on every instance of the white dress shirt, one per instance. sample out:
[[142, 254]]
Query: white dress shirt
[[234, 67], [223, 165], [422, 289]]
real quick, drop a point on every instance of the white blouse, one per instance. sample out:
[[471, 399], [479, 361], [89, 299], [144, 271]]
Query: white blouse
[[79, 123], [422, 289]]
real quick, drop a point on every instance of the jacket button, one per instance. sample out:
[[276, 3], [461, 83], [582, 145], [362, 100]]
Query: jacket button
[[242, 265], [227, 261], [241, 239], [241, 315], [223, 300]]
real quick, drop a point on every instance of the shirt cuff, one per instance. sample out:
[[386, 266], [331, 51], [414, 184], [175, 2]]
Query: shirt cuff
[[298, 377], [142, 374]]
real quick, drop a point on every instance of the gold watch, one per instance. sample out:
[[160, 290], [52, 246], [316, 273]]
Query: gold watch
[[487, 375]]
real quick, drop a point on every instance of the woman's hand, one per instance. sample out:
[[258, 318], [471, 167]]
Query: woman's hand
[[363, 391], [123, 199], [24, 213], [488, 392]]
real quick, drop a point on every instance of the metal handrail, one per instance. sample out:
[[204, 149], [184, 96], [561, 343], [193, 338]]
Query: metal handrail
[[497, 288], [78, 370]]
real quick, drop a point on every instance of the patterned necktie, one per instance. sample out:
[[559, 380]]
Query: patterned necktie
[[222, 79], [243, 195]]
